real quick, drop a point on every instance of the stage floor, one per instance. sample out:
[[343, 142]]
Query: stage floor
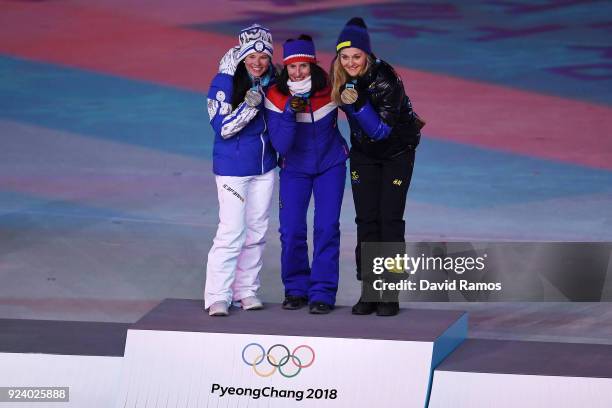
[[107, 198]]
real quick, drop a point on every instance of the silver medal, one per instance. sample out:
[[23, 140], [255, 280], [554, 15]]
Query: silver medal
[[253, 98]]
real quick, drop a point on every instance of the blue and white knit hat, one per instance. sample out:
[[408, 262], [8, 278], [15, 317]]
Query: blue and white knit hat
[[255, 38], [355, 35]]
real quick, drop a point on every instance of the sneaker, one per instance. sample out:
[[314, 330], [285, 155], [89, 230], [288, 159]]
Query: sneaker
[[320, 308], [387, 308], [364, 308], [218, 309], [251, 303], [294, 302]]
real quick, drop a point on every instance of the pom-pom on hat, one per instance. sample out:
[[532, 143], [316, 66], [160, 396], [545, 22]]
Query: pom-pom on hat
[[255, 38], [300, 50], [354, 34]]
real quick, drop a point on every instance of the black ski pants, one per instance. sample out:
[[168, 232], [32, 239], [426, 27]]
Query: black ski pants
[[380, 187]]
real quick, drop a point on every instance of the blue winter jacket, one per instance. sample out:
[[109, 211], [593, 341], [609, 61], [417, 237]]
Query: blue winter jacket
[[242, 145], [308, 142]]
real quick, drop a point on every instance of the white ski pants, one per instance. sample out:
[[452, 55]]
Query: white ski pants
[[236, 257]]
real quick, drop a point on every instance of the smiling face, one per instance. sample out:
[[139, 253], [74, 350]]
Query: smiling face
[[353, 60], [298, 71], [257, 63]]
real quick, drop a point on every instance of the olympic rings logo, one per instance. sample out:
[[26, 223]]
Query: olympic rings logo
[[253, 354]]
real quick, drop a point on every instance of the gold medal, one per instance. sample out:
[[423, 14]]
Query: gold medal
[[298, 104]]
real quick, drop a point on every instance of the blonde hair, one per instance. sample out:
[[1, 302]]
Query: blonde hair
[[339, 77]]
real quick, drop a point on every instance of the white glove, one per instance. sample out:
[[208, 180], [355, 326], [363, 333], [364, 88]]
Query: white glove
[[229, 62], [253, 98]]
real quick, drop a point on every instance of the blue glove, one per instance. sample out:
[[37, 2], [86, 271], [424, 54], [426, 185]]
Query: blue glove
[[370, 122], [288, 112]]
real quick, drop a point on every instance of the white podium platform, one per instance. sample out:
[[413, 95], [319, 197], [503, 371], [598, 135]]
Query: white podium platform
[[85, 356], [509, 374], [178, 356]]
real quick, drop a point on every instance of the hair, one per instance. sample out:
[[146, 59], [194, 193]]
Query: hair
[[339, 77], [242, 83], [318, 75]]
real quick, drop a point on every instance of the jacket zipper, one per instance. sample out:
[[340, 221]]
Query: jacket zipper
[[314, 134], [263, 143], [342, 141]]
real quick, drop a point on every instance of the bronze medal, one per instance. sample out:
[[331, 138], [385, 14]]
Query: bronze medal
[[349, 96]]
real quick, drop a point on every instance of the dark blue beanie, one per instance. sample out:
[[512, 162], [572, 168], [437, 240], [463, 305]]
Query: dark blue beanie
[[301, 50], [355, 34]]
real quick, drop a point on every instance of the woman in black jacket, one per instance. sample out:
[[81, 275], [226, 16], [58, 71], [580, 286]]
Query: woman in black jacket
[[385, 132]]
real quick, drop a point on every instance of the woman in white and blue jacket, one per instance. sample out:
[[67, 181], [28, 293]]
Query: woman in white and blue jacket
[[243, 163], [302, 120]]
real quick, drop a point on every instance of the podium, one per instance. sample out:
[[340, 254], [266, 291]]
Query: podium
[[529, 374], [85, 357], [178, 356]]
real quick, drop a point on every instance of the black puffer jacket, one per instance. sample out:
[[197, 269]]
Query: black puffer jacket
[[386, 94]]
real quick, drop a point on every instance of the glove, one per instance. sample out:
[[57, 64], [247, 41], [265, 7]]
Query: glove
[[253, 98], [229, 62], [371, 123]]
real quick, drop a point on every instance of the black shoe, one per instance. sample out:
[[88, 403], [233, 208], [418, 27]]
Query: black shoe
[[387, 308], [364, 308], [320, 308], [294, 302]]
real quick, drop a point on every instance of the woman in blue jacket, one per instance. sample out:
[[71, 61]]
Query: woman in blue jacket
[[243, 163], [302, 120]]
